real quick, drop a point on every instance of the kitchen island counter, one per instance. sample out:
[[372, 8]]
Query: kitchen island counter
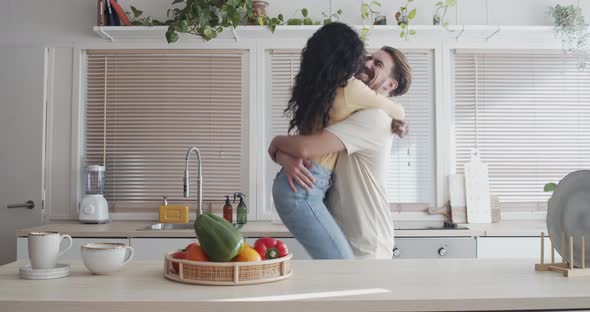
[[369, 285]]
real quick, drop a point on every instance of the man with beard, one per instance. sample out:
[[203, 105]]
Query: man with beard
[[357, 198]]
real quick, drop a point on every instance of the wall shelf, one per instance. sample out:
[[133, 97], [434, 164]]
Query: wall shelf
[[478, 33]]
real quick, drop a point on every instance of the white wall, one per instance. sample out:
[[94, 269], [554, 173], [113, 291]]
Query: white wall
[[63, 22], [66, 25], [59, 127]]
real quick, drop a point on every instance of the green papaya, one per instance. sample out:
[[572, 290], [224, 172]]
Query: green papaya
[[220, 240]]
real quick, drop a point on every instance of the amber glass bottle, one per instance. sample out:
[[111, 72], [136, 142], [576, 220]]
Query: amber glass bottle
[[228, 210]]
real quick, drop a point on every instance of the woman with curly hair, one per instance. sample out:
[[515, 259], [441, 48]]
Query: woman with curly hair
[[324, 93]]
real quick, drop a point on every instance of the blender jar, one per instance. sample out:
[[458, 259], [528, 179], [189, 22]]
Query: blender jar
[[95, 179]]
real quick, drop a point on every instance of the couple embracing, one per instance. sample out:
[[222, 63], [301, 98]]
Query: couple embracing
[[330, 192]]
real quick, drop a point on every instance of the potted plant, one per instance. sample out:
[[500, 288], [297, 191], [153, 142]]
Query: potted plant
[[260, 16], [440, 12], [206, 18], [209, 18], [401, 16], [403, 20], [573, 31], [369, 11], [259, 12]]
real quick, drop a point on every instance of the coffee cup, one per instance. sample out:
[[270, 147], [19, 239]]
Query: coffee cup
[[44, 249], [105, 258]]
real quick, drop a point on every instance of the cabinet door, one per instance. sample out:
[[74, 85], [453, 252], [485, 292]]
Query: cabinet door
[[295, 248], [513, 247], [434, 247], [156, 248], [73, 253]]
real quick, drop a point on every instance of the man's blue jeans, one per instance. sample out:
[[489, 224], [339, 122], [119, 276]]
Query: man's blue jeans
[[307, 217]]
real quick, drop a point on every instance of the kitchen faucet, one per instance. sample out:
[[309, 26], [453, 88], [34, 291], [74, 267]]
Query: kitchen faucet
[[199, 178]]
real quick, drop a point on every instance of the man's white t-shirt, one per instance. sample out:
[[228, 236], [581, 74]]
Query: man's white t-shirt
[[357, 199]]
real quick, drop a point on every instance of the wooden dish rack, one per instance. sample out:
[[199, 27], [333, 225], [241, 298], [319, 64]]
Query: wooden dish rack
[[227, 273], [566, 267]]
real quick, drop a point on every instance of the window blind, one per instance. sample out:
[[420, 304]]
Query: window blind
[[411, 166], [145, 109], [282, 67], [533, 120]]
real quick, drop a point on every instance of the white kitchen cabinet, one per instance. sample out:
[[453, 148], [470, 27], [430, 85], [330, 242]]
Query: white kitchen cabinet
[[148, 248], [513, 247], [156, 248], [295, 248], [22, 246]]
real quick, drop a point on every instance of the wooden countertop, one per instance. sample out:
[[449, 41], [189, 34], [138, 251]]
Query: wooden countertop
[[357, 285], [261, 228]]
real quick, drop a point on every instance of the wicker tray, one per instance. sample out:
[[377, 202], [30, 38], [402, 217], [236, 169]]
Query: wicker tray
[[227, 273]]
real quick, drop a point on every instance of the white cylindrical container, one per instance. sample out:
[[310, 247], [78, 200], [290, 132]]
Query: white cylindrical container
[[95, 179]]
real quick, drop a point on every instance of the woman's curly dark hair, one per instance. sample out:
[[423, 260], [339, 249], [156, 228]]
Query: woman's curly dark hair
[[332, 55]]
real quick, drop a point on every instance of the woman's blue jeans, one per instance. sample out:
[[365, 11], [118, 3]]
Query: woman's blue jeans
[[305, 214]]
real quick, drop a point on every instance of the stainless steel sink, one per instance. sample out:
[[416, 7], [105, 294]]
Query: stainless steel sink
[[168, 226]]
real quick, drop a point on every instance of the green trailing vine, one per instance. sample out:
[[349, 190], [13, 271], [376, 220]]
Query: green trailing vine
[[573, 31], [368, 11], [208, 18], [334, 17], [440, 12], [404, 18], [271, 22], [306, 20]]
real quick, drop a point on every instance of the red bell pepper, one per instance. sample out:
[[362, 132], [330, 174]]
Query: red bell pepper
[[270, 248], [181, 254]]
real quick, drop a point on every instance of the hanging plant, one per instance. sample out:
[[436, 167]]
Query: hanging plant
[[206, 18], [403, 20], [440, 12], [572, 30], [368, 11]]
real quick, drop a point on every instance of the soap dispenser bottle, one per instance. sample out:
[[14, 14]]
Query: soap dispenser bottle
[[241, 210], [228, 210]]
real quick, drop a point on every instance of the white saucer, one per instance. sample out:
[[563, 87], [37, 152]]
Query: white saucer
[[61, 270]]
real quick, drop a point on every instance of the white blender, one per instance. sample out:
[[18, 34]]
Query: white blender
[[94, 207]]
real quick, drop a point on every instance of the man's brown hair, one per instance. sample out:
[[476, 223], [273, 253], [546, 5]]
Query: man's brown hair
[[402, 71]]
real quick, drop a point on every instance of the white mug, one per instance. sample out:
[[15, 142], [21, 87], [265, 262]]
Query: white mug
[[105, 258], [44, 249]]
